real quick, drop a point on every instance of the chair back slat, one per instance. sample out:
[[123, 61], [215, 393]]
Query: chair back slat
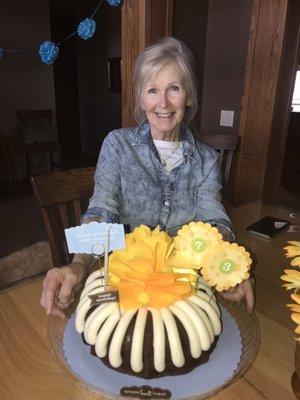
[[23, 115], [60, 195], [78, 210], [64, 214], [225, 145]]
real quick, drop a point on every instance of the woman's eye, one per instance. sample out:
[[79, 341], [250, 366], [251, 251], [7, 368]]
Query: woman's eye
[[174, 88], [152, 91]]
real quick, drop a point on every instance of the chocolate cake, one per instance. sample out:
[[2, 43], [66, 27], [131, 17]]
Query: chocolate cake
[[150, 342]]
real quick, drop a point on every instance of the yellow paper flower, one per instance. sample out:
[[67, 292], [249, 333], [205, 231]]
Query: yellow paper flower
[[296, 262], [293, 277], [293, 249], [192, 242], [142, 274], [226, 265]]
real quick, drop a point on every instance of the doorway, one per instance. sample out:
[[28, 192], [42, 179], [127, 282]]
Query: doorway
[[282, 180]]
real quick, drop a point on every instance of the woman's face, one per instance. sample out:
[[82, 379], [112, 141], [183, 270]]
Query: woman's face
[[164, 101]]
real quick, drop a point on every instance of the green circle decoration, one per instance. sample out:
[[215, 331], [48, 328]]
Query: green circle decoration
[[226, 266], [198, 244]]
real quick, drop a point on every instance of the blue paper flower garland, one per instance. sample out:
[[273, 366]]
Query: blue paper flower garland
[[48, 52], [114, 3], [86, 28]]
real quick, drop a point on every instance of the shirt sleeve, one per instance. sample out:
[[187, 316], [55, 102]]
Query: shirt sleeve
[[209, 206], [104, 205]]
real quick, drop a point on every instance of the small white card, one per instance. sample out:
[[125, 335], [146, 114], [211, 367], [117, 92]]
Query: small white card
[[90, 238]]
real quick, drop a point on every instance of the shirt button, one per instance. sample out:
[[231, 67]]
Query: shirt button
[[167, 203]]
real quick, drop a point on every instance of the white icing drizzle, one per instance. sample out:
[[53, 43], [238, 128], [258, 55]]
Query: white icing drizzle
[[199, 324], [94, 275], [91, 331], [202, 284], [173, 337], [205, 319], [105, 332], [210, 311], [210, 300], [81, 311], [136, 356], [115, 347], [159, 340], [190, 328], [98, 283]]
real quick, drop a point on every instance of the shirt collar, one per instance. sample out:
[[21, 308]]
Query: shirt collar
[[143, 136]]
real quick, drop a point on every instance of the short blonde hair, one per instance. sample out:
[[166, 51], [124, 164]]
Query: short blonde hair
[[155, 57]]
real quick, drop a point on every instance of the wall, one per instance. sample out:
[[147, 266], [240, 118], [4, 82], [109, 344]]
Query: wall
[[189, 25], [62, 22], [24, 81], [225, 59], [100, 110]]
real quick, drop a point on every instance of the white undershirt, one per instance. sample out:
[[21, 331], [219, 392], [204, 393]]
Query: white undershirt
[[170, 153]]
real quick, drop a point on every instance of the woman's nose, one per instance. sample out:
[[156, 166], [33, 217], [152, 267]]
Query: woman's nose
[[163, 100]]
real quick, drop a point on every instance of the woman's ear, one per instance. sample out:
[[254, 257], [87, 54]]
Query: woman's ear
[[188, 103]]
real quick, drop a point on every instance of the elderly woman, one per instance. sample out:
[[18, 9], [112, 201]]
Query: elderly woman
[[155, 174]]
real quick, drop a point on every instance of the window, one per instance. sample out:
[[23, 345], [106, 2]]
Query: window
[[296, 94]]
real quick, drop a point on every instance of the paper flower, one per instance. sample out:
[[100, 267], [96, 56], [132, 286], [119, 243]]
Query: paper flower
[[48, 52], [1, 53], [192, 242], [226, 265], [86, 28], [293, 250], [296, 313], [293, 277], [114, 3], [141, 272]]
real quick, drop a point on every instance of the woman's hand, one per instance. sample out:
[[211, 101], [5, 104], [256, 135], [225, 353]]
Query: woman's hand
[[58, 288], [242, 291]]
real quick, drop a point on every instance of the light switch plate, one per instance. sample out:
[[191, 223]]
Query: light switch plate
[[226, 118]]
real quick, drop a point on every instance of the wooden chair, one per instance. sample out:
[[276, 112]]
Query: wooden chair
[[10, 151], [225, 145], [62, 197], [25, 117]]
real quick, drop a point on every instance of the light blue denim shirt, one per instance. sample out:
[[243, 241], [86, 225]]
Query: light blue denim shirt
[[132, 187]]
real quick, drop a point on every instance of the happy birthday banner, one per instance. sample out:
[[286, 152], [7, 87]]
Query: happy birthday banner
[[48, 51]]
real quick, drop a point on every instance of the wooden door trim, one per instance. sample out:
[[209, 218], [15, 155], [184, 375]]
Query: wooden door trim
[[262, 70], [139, 29]]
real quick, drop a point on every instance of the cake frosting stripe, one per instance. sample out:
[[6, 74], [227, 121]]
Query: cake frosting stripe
[[94, 275], [209, 299], [173, 337], [201, 329], [105, 332], [205, 319], [195, 346], [114, 354], [159, 340], [210, 311], [95, 320], [96, 284], [136, 357], [81, 312]]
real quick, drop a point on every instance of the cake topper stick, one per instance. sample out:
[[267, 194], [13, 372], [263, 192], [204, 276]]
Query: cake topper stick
[[106, 249], [97, 252]]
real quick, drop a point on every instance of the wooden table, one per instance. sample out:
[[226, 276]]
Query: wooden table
[[29, 370]]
